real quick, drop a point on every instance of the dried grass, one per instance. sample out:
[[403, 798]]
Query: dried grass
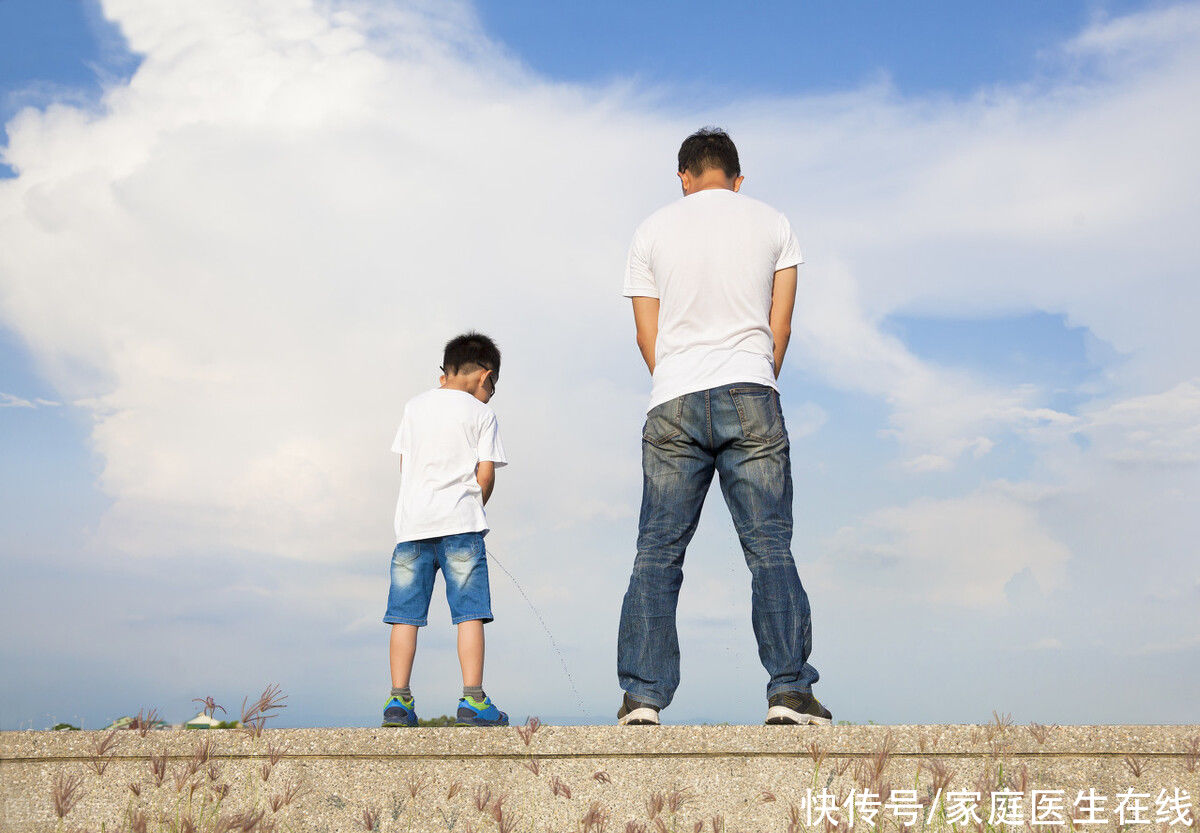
[[103, 750], [1191, 754], [1041, 732], [559, 787], [530, 728], [255, 715], [64, 793], [144, 721]]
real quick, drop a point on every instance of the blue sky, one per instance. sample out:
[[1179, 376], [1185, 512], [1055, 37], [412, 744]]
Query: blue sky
[[214, 297], [726, 51]]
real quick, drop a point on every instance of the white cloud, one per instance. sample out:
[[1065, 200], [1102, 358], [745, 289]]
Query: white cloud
[[1047, 643], [255, 248], [243, 261], [1161, 428], [959, 551], [8, 400], [804, 419]]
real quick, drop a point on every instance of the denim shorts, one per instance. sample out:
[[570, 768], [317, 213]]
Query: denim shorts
[[462, 559]]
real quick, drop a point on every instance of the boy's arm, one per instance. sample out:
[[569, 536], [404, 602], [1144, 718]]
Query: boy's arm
[[485, 475], [783, 300], [645, 318]]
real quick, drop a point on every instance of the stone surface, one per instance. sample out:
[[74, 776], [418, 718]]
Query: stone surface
[[748, 778]]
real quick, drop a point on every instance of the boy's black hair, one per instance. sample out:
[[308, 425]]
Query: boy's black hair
[[709, 147], [471, 348]]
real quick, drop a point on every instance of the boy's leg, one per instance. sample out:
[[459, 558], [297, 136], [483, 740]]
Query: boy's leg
[[470, 652], [463, 559], [412, 570], [402, 650], [676, 472]]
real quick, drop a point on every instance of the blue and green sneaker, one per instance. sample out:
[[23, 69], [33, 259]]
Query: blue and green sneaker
[[472, 712], [399, 712]]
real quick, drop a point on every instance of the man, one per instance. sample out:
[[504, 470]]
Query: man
[[713, 282]]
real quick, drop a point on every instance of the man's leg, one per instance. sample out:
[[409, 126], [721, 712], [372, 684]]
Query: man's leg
[[756, 479], [676, 473]]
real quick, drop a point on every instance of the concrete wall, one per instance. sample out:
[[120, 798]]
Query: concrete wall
[[592, 778]]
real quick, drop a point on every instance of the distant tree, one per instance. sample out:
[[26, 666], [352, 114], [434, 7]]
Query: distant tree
[[443, 720]]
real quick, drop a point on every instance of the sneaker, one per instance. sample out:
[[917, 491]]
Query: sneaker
[[796, 708], [472, 712], [399, 712], [636, 713]]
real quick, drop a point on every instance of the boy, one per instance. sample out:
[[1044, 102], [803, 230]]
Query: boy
[[449, 447]]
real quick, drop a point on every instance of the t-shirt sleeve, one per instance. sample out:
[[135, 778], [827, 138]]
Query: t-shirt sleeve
[[490, 447], [639, 279], [402, 445], [789, 247]]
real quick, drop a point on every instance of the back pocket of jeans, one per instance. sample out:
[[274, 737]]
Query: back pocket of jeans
[[405, 553], [758, 411], [664, 422]]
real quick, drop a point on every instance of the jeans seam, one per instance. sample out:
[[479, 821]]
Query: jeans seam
[[708, 415]]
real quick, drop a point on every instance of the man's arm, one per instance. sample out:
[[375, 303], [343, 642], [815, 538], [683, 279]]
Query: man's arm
[[645, 318], [783, 300], [485, 475]]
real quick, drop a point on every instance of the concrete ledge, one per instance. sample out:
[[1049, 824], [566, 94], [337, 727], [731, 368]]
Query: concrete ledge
[[751, 778]]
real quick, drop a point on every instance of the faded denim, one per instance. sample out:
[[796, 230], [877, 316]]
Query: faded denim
[[738, 432], [462, 559]]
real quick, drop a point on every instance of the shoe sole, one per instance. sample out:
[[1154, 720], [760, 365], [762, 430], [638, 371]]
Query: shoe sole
[[782, 715], [639, 717]]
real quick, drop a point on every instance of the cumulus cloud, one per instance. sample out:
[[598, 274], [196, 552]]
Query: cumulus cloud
[[957, 551], [243, 260], [251, 253]]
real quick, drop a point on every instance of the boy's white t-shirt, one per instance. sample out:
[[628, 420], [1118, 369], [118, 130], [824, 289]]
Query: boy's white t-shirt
[[443, 434], [711, 258]]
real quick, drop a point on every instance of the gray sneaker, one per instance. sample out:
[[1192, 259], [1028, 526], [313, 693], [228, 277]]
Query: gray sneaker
[[795, 708], [636, 713]]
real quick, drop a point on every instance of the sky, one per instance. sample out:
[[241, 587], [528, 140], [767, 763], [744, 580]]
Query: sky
[[234, 236]]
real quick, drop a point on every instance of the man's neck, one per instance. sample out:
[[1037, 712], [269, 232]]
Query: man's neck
[[711, 182]]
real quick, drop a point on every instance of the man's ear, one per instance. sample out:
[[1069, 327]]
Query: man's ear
[[737, 183], [442, 379], [685, 179]]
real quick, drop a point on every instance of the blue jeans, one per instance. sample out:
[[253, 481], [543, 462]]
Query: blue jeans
[[462, 559], [737, 431]]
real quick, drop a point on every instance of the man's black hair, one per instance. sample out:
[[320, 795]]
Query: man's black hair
[[709, 147], [471, 348]]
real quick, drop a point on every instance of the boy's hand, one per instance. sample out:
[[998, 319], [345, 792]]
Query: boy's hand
[[485, 475]]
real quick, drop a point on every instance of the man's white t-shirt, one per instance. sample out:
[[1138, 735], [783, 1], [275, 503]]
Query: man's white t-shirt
[[711, 258], [443, 434]]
